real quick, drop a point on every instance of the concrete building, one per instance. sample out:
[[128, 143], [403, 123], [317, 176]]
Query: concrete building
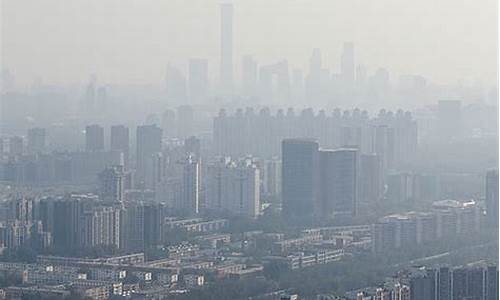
[[190, 199], [233, 187], [112, 184], [100, 226], [338, 176], [148, 143], [299, 177]]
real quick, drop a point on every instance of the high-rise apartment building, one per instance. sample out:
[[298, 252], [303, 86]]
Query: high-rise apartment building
[[190, 199], [111, 184], [233, 187]]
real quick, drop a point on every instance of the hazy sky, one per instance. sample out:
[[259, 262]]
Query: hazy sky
[[131, 41]]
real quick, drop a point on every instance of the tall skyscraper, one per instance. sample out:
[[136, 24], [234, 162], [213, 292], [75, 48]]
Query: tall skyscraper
[[94, 138], [132, 231], [111, 184], [347, 63], [120, 141], [198, 80], [148, 143], [492, 197], [226, 63], [300, 176], [100, 226], [423, 286], [191, 187], [36, 140], [338, 182]]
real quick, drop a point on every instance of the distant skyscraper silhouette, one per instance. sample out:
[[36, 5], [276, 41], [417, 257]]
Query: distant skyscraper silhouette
[[169, 123], [120, 141], [249, 75], [198, 80], [347, 63], [185, 120], [226, 64], [176, 85], [148, 143], [94, 138]]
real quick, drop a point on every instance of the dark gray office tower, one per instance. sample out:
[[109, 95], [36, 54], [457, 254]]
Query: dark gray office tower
[[132, 227], [226, 47], [36, 140], [120, 141], [198, 80], [94, 138], [347, 63], [338, 179], [154, 218], [492, 197], [67, 224], [300, 177], [422, 286], [148, 143]]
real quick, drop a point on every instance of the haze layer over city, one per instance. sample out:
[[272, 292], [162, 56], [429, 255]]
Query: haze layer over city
[[279, 149]]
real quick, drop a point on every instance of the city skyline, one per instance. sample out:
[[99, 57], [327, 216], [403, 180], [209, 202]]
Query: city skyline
[[435, 49]]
